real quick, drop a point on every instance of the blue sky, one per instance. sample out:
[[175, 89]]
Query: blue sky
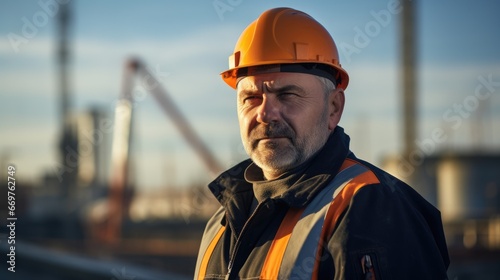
[[187, 43]]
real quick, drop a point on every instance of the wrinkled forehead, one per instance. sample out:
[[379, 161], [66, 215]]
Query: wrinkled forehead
[[270, 81]]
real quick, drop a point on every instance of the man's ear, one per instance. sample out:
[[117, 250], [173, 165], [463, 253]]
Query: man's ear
[[336, 102]]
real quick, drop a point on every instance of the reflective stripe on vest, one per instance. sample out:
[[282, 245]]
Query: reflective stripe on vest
[[302, 253], [210, 239], [277, 250]]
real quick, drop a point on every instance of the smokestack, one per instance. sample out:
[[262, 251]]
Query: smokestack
[[62, 59], [68, 146], [409, 79]]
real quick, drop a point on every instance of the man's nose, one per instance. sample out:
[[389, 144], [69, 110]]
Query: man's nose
[[269, 110]]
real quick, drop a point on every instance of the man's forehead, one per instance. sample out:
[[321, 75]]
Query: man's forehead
[[273, 80]]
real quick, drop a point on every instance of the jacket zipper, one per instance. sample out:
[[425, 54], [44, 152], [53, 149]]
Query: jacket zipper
[[237, 245], [367, 265]]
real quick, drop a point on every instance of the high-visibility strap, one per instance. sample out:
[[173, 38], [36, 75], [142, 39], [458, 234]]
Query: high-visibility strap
[[339, 205], [208, 253], [298, 261], [347, 163], [277, 250], [274, 258], [336, 209]]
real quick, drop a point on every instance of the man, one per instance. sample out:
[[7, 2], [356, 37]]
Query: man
[[303, 206]]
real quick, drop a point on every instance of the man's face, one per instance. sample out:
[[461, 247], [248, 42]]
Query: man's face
[[284, 119]]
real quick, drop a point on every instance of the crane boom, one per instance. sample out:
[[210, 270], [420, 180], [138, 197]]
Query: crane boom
[[111, 232], [167, 104]]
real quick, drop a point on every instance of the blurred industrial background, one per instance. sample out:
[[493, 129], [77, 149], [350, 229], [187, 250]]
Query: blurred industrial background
[[115, 119]]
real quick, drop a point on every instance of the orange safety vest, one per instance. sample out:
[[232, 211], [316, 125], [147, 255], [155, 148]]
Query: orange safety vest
[[297, 248]]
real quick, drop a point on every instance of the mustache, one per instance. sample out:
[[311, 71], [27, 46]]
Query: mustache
[[272, 130]]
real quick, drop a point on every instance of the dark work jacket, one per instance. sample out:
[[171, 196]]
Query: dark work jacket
[[376, 227]]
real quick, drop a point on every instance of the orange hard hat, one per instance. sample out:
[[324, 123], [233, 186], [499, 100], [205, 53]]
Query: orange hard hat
[[285, 37]]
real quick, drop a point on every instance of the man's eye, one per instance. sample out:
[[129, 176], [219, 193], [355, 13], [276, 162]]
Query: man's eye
[[251, 99], [286, 94]]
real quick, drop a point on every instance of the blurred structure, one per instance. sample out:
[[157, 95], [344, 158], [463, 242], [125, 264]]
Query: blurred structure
[[120, 191], [120, 183], [92, 134], [68, 144], [468, 186], [409, 69], [464, 185]]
